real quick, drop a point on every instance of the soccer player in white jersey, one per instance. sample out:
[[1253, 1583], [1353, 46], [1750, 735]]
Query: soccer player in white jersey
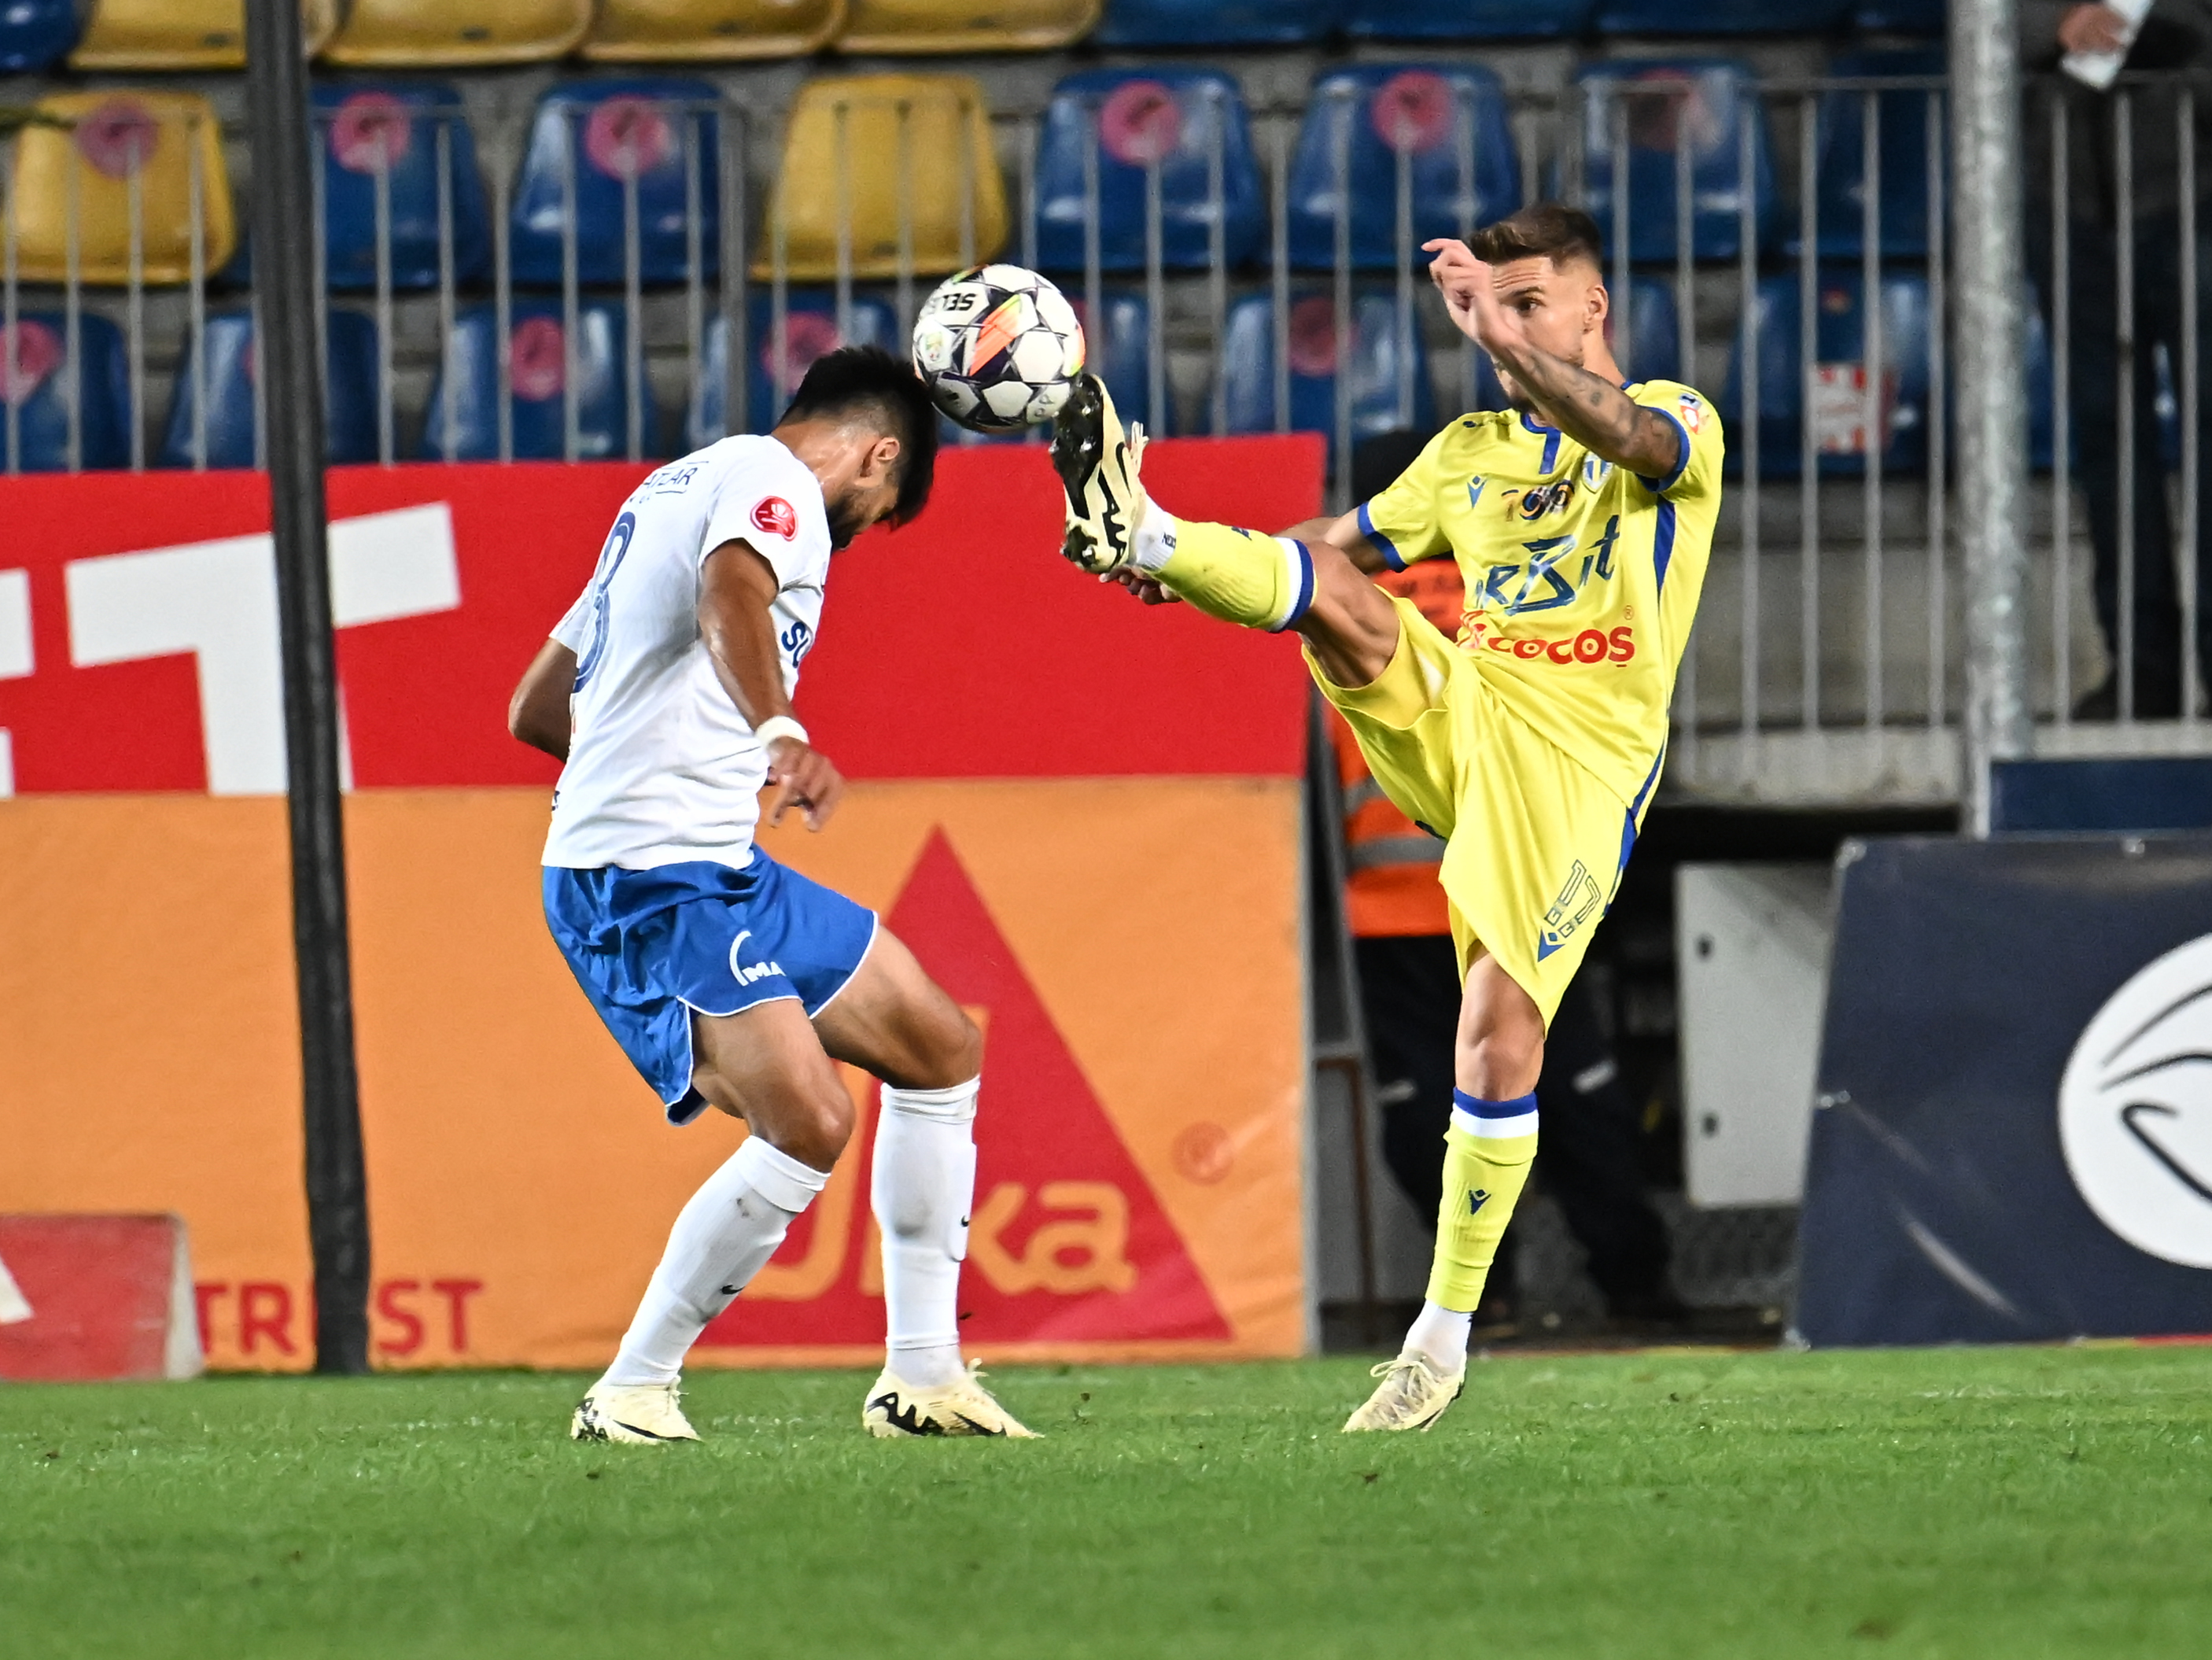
[[729, 981]]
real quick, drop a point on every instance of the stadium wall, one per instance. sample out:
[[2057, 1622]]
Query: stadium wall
[[1083, 815]]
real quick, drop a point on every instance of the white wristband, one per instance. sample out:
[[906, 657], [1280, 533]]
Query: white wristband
[[780, 726]]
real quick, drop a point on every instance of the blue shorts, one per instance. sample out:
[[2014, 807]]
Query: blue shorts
[[649, 946]]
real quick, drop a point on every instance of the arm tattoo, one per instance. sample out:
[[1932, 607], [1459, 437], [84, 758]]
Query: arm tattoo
[[1598, 414]]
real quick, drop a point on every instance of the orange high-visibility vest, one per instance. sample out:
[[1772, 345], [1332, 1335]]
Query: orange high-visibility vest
[[1391, 887]]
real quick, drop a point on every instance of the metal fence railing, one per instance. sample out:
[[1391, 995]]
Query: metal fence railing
[[627, 278]]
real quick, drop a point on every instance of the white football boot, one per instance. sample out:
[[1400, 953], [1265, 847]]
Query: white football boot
[[1097, 464], [643, 1416], [896, 1408], [1412, 1396]]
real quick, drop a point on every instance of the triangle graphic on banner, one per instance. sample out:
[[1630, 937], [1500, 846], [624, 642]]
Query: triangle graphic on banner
[[1068, 1241]]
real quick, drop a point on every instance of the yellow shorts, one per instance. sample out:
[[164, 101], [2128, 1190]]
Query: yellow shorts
[[1534, 843]]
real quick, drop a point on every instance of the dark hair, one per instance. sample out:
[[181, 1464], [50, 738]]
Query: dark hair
[[867, 380], [1549, 230]]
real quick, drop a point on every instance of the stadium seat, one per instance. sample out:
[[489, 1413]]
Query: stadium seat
[[1902, 132], [1118, 349], [35, 34], [448, 33], [1380, 402], [106, 137], [810, 329], [181, 34], [1709, 100], [903, 27], [1215, 22], [1451, 127], [916, 145], [1839, 346], [698, 31], [36, 389], [396, 127], [638, 131], [1464, 20], [539, 367], [348, 392], [1171, 119], [1900, 17], [1717, 16]]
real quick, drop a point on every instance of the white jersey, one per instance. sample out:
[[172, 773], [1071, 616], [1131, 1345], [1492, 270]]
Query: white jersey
[[662, 768]]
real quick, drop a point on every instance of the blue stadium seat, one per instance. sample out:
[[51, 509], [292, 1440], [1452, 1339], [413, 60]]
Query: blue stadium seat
[[1118, 349], [1839, 345], [641, 129], [1464, 20], [35, 388], [2042, 428], [1710, 99], [1902, 129], [36, 33], [1382, 399], [1718, 16], [399, 122], [1900, 17], [1170, 116], [810, 329], [1450, 126], [348, 392], [539, 367], [1215, 22]]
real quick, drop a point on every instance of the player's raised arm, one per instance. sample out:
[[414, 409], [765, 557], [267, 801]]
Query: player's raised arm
[[1590, 409], [537, 713], [737, 588]]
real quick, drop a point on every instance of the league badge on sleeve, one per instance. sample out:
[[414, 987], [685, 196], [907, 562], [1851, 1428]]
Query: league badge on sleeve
[[1691, 408], [774, 515]]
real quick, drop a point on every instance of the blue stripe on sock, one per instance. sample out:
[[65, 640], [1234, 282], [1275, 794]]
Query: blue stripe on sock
[[1304, 603], [1475, 1107]]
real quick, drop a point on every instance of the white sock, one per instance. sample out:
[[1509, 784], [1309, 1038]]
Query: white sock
[[722, 1236], [922, 1183], [1154, 543], [1440, 1335]]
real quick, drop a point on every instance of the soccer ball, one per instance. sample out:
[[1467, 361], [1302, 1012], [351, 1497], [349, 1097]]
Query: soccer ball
[[998, 348]]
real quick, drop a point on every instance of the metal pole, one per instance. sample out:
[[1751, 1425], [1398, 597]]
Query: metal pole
[[292, 371], [1992, 395]]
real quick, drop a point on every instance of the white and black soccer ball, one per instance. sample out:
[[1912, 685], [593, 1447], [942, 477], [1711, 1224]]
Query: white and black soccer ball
[[999, 347]]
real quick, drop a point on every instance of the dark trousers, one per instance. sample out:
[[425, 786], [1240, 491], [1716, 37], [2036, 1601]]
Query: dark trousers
[[2094, 406], [1588, 1157]]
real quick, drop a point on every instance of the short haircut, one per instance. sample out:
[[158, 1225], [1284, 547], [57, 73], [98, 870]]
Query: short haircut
[[868, 382], [1543, 230]]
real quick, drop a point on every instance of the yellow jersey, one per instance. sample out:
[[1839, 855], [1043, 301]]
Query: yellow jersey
[[1582, 578]]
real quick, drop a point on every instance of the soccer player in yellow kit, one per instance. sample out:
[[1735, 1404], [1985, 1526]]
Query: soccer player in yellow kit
[[1581, 519]]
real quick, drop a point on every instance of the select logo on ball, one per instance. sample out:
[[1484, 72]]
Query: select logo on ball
[[774, 515], [2134, 1108]]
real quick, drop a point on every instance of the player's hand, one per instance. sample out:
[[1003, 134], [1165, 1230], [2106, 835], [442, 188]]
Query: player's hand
[[1149, 589], [806, 779], [2092, 29], [1470, 295]]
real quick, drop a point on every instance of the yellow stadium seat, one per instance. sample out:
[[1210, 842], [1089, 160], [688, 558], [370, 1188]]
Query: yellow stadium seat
[[653, 30], [182, 34], [437, 34], [861, 145], [99, 139], [924, 26]]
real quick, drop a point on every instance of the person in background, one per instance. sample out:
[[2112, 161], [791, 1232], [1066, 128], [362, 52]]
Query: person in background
[[1410, 994], [2177, 34]]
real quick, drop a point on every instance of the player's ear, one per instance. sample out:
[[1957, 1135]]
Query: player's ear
[[884, 455], [1598, 306]]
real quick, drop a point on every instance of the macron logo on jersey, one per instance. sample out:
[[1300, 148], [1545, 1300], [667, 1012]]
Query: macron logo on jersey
[[774, 515]]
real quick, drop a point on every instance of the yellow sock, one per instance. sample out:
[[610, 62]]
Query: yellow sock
[[1260, 581], [1484, 1174]]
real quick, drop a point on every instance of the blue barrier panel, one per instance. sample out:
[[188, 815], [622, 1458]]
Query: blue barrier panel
[[2014, 1142], [2122, 794]]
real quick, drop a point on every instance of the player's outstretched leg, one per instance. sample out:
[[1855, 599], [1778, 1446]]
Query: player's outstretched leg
[[1487, 1152], [766, 1066], [894, 1021]]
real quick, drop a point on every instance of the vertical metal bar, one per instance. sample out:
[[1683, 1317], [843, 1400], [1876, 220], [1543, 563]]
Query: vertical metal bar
[[1155, 299], [633, 320], [502, 297], [257, 337], [1346, 343], [1029, 155], [905, 219], [2124, 319], [779, 305], [1463, 133], [2062, 415], [735, 138], [10, 323], [572, 438], [1617, 125], [1938, 529], [1401, 324], [1217, 258], [1279, 308], [1100, 342], [968, 118], [135, 312], [73, 312], [448, 391], [841, 162], [1877, 404], [2185, 140], [1747, 304], [319, 238], [1992, 425], [381, 181], [1809, 441], [695, 275], [1685, 680], [196, 351]]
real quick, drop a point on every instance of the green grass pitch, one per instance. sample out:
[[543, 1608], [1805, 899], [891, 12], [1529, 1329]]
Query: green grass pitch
[[2014, 1503]]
